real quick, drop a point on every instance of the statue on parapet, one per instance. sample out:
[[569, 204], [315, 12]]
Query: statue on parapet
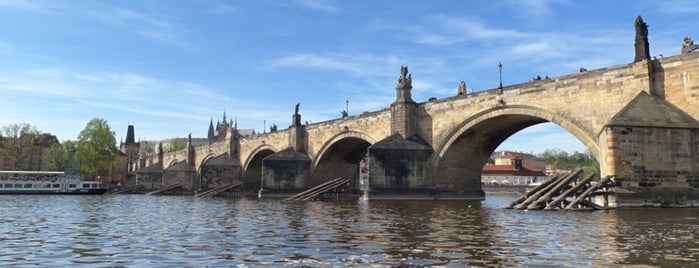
[[689, 46], [405, 84], [641, 41], [296, 111], [641, 27], [462, 88]]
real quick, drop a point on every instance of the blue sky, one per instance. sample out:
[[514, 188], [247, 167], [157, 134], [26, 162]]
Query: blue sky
[[168, 67]]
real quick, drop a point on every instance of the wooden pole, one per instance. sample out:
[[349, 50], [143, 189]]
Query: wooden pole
[[567, 193], [533, 191], [547, 196], [538, 194], [587, 193]]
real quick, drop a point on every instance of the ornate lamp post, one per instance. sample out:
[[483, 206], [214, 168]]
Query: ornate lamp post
[[500, 67]]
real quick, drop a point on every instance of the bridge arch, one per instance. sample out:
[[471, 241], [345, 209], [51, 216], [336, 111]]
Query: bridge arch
[[252, 168], [204, 160], [173, 162], [340, 156], [458, 161]]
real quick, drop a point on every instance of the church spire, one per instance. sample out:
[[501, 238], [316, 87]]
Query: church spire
[[211, 130]]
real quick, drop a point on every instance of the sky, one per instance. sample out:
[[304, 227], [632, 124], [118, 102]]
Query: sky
[[169, 67]]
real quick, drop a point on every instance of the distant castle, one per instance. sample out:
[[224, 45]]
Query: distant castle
[[135, 152]]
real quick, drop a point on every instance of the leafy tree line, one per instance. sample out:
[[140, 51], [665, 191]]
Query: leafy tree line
[[16, 142], [560, 159], [92, 155]]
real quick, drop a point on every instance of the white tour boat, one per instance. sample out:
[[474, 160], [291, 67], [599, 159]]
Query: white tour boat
[[46, 182]]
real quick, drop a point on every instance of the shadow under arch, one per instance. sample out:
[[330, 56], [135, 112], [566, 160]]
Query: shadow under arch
[[458, 161], [252, 168], [340, 156]]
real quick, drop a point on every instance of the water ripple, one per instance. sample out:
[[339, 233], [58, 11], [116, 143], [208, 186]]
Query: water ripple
[[153, 231]]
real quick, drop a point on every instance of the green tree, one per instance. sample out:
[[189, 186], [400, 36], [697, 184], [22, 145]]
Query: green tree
[[560, 159], [17, 141], [96, 149], [176, 144], [61, 157]]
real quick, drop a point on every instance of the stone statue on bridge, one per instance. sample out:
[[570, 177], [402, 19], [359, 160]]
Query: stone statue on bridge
[[296, 117], [462, 88], [405, 84], [689, 46], [641, 42]]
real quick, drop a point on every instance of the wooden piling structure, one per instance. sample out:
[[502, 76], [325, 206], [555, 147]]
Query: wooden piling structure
[[558, 191], [164, 189], [554, 190], [532, 191], [320, 189], [218, 190], [569, 192], [587, 193]]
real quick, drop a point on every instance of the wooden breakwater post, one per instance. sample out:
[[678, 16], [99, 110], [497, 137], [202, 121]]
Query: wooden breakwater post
[[533, 198], [538, 204], [532, 192], [587, 193], [558, 191], [568, 193]]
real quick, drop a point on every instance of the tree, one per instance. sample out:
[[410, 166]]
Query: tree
[[176, 144], [96, 149], [563, 160], [17, 140], [61, 157]]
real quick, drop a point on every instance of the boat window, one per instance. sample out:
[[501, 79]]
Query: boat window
[[56, 185], [8, 185], [72, 185], [18, 185], [86, 185], [27, 185]]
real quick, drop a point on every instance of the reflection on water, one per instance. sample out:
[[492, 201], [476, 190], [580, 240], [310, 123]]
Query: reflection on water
[[142, 231]]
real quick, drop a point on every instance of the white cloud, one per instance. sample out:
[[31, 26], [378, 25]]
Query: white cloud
[[221, 7], [447, 30], [356, 64], [146, 25], [536, 7], [21, 4], [320, 5], [678, 7]]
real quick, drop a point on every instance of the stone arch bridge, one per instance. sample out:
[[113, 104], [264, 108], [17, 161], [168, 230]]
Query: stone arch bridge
[[640, 121]]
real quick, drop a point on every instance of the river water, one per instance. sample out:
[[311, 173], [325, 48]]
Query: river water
[[169, 231]]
